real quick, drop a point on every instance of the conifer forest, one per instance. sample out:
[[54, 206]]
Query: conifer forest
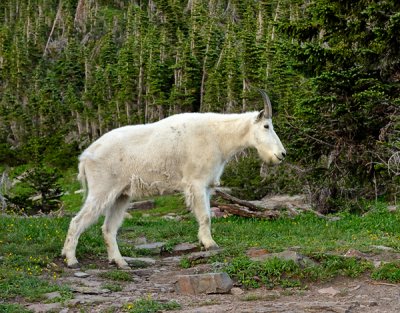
[[71, 70]]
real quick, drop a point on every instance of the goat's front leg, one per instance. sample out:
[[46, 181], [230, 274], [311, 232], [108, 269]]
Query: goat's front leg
[[198, 198]]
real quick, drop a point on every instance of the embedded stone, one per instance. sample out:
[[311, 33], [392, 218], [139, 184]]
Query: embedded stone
[[154, 248], [44, 307], [81, 274], [236, 291], [384, 248], [184, 247], [203, 283], [89, 290], [194, 256], [329, 291], [142, 205], [140, 262], [52, 295]]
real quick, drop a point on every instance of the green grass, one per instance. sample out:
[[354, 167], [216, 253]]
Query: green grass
[[30, 247], [14, 284], [389, 272], [117, 275], [12, 308], [113, 287], [148, 305], [286, 273]]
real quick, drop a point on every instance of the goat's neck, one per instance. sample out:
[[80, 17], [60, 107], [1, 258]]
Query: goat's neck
[[234, 136]]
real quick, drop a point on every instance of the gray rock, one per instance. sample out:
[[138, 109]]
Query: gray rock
[[142, 205], [171, 260], [143, 272], [383, 248], [353, 253], [44, 307], [88, 299], [154, 248], [217, 213], [172, 217], [236, 291], [89, 290], [184, 248], [81, 274], [140, 240], [140, 262], [52, 295], [203, 283], [194, 256], [330, 291]]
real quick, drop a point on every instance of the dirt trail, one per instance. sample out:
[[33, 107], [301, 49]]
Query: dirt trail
[[157, 281]]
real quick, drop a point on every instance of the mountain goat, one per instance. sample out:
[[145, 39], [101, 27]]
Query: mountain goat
[[185, 152]]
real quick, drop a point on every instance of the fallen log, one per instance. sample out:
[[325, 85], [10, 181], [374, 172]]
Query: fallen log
[[235, 200], [247, 209], [236, 209]]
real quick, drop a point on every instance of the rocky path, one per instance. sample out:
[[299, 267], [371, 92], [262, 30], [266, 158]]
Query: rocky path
[[94, 291]]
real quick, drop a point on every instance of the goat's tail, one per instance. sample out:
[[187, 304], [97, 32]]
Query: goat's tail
[[82, 175]]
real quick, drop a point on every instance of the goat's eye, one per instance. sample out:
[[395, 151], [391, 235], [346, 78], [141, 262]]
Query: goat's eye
[[266, 126]]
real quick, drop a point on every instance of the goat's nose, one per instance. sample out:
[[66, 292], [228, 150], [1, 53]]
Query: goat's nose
[[284, 154]]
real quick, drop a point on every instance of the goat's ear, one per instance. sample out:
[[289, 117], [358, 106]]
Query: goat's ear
[[260, 116]]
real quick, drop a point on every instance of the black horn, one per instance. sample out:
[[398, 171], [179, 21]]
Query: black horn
[[267, 103]]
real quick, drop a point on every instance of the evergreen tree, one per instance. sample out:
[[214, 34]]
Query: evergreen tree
[[349, 50]]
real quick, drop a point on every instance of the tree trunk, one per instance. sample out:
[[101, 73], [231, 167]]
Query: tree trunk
[[236, 209], [204, 69], [54, 26]]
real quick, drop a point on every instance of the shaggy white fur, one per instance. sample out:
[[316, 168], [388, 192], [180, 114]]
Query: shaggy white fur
[[185, 152]]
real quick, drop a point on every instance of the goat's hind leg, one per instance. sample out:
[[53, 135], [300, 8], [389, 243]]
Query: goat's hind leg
[[113, 221], [87, 216]]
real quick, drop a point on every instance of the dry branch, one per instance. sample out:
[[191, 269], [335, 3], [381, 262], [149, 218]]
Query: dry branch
[[245, 212], [233, 199]]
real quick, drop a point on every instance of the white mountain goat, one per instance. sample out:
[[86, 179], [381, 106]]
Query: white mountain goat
[[185, 152]]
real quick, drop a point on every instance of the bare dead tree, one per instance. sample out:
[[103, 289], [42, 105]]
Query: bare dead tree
[[54, 26], [4, 186], [80, 15], [394, 164]]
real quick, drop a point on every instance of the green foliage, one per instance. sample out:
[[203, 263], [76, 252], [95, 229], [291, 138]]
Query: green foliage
[[254, 274], [30, 287], [148, 305], [250, 179], [12, 308], [388, 271], [337, 265], [113, 287], [38, 191], [331, 70], [244, 177], [345, 118], [277, 272], [117, 275]]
